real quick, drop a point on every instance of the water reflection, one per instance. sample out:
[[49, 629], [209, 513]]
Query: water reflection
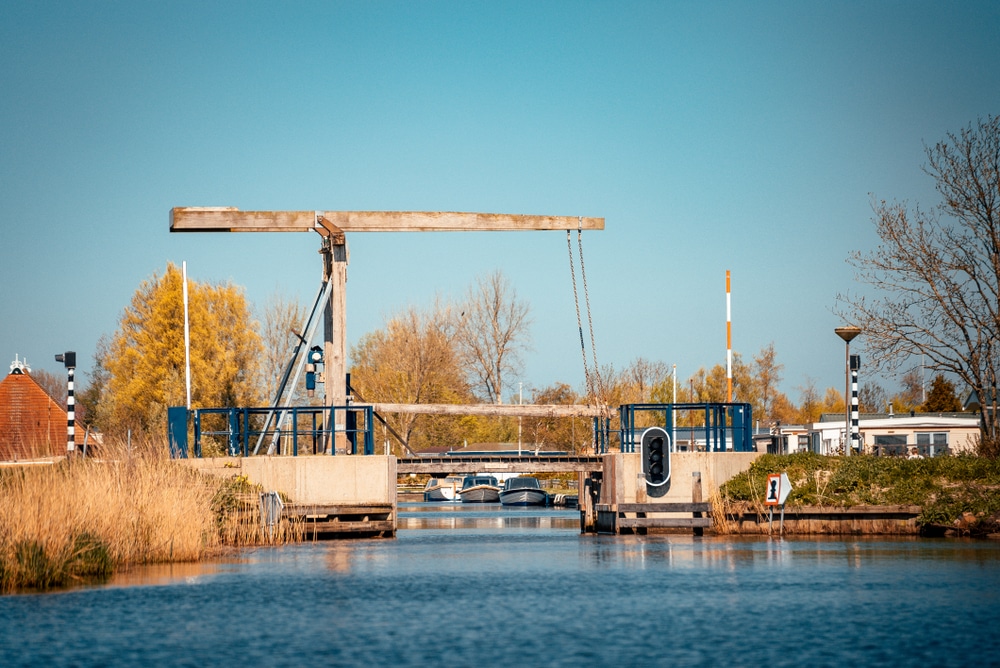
[[161, 574], [484, 516], [525, 585]]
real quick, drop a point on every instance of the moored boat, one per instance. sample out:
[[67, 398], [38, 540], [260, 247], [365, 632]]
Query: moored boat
[[523, 491], [443, 489], [479, 489]]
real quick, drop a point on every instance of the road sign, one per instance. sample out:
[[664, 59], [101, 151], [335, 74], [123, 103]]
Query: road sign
[[778, 488]]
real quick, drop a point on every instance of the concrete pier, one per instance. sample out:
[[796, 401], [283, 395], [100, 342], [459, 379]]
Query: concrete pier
[[332, 495]]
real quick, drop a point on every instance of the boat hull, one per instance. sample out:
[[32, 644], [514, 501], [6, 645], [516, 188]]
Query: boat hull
[[480, 494], [442, 490], [523, 497]]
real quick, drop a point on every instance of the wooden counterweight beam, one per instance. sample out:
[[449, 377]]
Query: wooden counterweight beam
[[495, 410], [231, 219]]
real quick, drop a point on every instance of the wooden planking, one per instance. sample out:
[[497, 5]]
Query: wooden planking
[[525, 464], [453, 221], [679, 507], [664, 522], [512, 410], [335, 509], [335, 527], [231, 219]]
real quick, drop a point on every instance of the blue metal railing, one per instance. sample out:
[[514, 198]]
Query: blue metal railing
[[724, 426], [310, 429]]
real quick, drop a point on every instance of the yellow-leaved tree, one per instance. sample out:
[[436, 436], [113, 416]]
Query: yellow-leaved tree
[[413, 360], [140, 370]]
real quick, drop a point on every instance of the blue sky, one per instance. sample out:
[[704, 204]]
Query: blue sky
[[714, 136]]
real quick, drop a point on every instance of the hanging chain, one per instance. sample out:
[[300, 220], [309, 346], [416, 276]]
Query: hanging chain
[[590, 320], [579, 322]]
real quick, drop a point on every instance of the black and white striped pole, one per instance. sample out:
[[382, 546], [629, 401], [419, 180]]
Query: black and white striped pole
[[855, 413], [850, 409], [69, 359]]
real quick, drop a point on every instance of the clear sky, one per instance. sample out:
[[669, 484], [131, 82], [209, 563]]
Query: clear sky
[[711, 136]]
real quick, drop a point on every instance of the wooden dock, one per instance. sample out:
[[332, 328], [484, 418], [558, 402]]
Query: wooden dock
[[322, 521], [639, 518]]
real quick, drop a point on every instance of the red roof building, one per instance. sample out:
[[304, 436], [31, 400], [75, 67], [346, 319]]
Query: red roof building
[[32, 424]]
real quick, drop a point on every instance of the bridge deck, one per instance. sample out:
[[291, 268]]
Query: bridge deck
[[445, 465]]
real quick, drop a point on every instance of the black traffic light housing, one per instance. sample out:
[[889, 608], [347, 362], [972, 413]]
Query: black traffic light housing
[[655, 447], [68, 358]]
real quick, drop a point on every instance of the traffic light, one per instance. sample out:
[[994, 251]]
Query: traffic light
[[68, 358], [655, 445], [310, 379]]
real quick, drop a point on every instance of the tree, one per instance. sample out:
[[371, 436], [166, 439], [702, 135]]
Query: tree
[[911, 394], [833, 401], [140, 371], [413, 360], [281, 322], [938, 272], [635, 384], [872, 398], [572, 434], [810, 406], [491, 334], [767, 373], [942, 397], [56, 386]]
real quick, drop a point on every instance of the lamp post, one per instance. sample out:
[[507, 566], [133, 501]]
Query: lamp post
[[847, 334]]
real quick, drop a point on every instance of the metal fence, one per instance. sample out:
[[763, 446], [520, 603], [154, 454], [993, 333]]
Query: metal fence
[[703, 427], [290, 430]]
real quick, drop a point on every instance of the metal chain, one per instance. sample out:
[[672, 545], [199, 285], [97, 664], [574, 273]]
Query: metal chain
[[590, 320], [579, 322]]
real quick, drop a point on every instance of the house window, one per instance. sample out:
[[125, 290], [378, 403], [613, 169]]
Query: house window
[[890, 445], [932, 444]]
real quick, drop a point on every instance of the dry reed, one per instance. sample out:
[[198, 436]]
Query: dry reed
[[83, 518]]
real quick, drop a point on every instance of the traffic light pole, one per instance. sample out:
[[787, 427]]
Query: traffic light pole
[[69, 359]]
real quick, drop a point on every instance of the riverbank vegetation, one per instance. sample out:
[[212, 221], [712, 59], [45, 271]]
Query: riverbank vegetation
[[81, 520], [960, 492]]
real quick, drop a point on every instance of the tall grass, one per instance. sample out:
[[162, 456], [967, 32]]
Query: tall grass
[[80, 519]]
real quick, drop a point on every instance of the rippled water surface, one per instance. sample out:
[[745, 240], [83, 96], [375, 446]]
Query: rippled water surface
[[480, 585]]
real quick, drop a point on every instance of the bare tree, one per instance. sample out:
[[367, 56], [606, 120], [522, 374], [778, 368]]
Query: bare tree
[[55, 386], [491, 334], [281, 322], [939, 273]]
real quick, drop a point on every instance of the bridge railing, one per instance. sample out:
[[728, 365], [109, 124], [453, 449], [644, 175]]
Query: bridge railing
[[288, 430], [712, 427]]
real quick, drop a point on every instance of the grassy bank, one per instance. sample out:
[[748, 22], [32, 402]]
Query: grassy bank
[[961, 492], [80, 520]]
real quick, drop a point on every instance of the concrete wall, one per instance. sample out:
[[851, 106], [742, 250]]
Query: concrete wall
[[626, 483], [316, 479]]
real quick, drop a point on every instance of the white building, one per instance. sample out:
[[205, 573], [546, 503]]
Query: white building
[[932, 434]]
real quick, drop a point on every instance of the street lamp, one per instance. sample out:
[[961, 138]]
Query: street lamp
[[847, 334]]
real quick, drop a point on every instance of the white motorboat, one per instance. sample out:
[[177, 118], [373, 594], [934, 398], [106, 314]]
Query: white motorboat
[[479, 489], [523, 491], [443, 489]]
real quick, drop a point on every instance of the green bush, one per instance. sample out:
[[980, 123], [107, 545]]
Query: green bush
[[944, 487]]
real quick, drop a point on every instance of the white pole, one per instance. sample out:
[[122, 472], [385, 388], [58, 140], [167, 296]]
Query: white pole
[[519, 402], [729, 343], [673, 415], [187, 335]]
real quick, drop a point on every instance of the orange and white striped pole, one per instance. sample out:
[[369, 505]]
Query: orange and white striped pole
[[729, 341]]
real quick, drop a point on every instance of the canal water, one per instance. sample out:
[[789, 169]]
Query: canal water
[[465, 586]]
